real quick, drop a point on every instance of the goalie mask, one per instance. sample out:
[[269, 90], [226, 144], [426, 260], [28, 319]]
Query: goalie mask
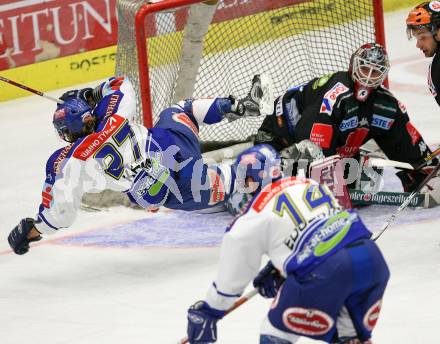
[[369, 67], [73, 120], [257, 167], [423, 19]]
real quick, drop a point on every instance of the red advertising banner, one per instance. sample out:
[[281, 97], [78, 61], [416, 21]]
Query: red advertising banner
[[37, 30]]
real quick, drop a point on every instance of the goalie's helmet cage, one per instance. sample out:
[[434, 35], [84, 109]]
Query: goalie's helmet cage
[[424, 17], [177, 49], [369, 65]]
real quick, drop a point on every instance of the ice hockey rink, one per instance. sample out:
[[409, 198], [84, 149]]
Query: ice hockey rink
[[127, 276]]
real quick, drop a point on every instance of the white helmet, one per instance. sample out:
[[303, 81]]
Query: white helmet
[[369, 67]]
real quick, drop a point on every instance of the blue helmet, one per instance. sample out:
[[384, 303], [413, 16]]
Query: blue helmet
[[262, 163], [73, 119]]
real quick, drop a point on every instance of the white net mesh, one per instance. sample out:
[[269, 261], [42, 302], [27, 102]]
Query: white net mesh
[[293, 41]]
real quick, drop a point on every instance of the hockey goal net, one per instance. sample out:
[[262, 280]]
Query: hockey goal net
[[174, 49]]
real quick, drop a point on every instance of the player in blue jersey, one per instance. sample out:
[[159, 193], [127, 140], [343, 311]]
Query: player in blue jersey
[[326, 274], [161, 166]]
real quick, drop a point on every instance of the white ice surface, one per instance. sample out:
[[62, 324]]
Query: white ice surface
[[125, 276]]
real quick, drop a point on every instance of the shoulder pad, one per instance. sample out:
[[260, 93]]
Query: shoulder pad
[[319, 82]]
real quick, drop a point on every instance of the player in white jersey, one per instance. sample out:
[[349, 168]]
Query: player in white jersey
[[160, 166], [327, 276]]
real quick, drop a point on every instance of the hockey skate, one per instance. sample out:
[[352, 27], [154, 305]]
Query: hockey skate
[[259, 101]]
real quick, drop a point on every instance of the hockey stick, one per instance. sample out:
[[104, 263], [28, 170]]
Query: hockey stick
[[408, 200], [23, 87], [378, 162], [236, 304]]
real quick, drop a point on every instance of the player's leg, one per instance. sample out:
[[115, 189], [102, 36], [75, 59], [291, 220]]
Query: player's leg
[[269, 334], [200, 186], [370, 277], [309, 305], [213, 110]]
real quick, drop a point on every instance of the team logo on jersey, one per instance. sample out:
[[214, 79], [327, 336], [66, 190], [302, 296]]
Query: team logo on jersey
[[362, 94], [413, 133], [349, 123], [382, 122], [186, 121], [355, 139], [322, 134], [423, 147], [372, 315], [363, 122], [307, 321], [331, 96]]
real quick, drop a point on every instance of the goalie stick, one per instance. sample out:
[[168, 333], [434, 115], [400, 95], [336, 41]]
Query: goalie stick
[[29, 89], [408, 201], [378, 162], [236, 304]]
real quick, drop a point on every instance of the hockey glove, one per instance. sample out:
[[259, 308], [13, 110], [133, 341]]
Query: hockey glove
[[202, 323], [268, 281], [18, 238], [111, 86], [85, 94]]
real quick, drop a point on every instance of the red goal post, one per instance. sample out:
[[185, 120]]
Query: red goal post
[[230, 40]]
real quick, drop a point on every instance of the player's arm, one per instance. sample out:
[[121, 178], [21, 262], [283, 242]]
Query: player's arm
[[319, 102], [61, 197], [240, 259], [115, 95], [205, 111], [404, 143], [277, 129]]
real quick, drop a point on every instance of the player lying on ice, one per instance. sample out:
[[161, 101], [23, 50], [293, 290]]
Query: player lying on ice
[[326, 274], [339, 112], [161, 166]]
